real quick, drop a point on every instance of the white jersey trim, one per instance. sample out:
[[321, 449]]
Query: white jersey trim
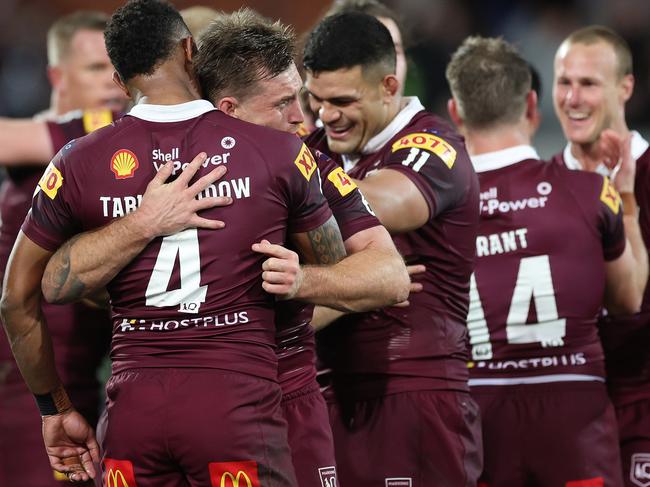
[[639, 146], [489, 161], [171, 113], [541, 379]]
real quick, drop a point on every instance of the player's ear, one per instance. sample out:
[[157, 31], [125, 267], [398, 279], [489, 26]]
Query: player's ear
[[55, 76], [452, 109], [627, 87], [117, 79], [533, 115], [390, 85], [228, 105]]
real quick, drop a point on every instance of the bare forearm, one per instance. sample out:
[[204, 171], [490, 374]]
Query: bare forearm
[[88, 261], [323, 316], [24, 141], [366, 280], [639, 251]]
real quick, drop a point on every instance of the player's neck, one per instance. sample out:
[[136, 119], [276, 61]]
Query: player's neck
[[168, 85], [495, 139]]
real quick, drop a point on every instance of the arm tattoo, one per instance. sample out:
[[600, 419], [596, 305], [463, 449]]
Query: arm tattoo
[[327, 243], [65, 283]]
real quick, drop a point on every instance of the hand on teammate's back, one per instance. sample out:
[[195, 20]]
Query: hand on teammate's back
[[282, 273], [170, 207]]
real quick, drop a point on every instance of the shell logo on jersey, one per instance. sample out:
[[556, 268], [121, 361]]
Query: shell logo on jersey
[[51, 181], [124, 163], [119, 473], [234, 474], [640, 469], [342, 181], [305, 162], [429, 142], [96, 119], [610, 196]]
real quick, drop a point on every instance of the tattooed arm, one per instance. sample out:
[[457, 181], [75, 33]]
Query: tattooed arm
[[372, 277], [90, 260]]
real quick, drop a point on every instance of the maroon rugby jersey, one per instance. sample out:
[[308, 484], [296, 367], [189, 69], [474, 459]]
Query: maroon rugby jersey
[[295, 335], [425, 344], [80, 334], [544, 236], [626, 339], [193, 299]]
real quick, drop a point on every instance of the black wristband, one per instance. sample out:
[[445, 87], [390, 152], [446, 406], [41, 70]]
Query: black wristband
[[46, 404], [54, 402]]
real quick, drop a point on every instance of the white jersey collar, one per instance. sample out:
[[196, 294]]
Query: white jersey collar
[[489, 161], [401, 120], [639, 146], [171, 113]]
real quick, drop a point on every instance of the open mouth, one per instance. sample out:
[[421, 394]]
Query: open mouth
[[338, 133]]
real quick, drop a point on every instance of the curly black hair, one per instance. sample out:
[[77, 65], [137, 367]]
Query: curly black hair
[[141, 34], [346, 40]]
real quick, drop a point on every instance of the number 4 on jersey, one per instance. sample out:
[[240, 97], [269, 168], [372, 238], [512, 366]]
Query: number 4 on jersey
[[534, 283], [191, 294]]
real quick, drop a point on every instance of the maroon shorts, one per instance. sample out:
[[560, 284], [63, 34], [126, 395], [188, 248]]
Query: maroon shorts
[[310, 437], [558, 434], [409, 439], [194, 427], [634, 437]]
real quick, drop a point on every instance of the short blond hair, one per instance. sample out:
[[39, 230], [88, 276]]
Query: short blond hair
[[599, 33], [60, 34], [197, 18]]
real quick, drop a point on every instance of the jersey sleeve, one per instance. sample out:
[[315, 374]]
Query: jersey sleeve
[[351, 210], [77, 124], [433, 165], [302, 184], [51, 220], [611, 221]]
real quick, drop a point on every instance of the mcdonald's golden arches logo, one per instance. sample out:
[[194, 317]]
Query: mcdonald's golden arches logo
[[119, 473], [234, 474]]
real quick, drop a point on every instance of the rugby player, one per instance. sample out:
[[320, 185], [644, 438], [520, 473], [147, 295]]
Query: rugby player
[[80, 73], [399, 406], [593, 81], [537, 368], [135, 363]]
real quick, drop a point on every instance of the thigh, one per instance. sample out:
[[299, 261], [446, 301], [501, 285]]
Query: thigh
[[310, 438], [413, 439], [634, 438]]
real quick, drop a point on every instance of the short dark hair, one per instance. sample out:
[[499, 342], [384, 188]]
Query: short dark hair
[[141, 35], [60, 34], [489, 81], [599, 33], [239, 49], [349, 39]]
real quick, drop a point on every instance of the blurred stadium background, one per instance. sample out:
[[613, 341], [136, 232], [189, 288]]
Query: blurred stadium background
[[432, 29]]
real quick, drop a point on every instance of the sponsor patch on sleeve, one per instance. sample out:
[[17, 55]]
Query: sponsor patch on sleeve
[[305, 162], [51, 181], [96, 119], [610, 196], [342, 181], [429, 142]]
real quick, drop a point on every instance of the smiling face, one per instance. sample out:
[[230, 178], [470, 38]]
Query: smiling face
[[352, 107], [85, 77], [274, 103], [589, 95]]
